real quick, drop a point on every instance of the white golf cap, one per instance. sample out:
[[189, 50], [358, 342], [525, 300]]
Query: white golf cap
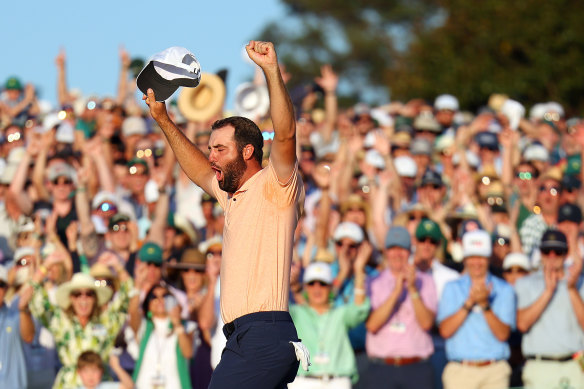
[[168, 70], [318, 271], [446, 102], [476, 243]]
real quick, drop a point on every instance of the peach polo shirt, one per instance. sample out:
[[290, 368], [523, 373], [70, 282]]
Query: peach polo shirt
[[258, 238]]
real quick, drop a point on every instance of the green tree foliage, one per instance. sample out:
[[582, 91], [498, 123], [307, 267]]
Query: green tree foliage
[[531, 50]]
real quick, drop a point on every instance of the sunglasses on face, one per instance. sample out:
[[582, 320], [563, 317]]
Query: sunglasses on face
[[23, 262], [432, 186], [146, 153], [104, 282], [428, 240], [153, 264], [319, 283], [119, 227], [14, 137], [350, 245], [66, 181], [196, 270], [554, 190], [86, 293], [557, 252], [515, 270], [3, 285], [525, 176], [107, 207]]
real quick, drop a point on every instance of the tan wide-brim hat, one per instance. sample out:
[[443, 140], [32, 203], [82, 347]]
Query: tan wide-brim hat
[[81, 281], [201, 103]]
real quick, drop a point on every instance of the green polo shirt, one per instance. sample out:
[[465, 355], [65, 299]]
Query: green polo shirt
[[326, 338]]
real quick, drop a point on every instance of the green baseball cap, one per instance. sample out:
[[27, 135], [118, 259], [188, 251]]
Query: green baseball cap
[[13, 83], [150, 253], [428, 229], [138, 161]]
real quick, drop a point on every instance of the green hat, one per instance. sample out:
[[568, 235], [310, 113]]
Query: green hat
[[428, 229], [138, 161], [13, 83], [150, 253], [573, 165]]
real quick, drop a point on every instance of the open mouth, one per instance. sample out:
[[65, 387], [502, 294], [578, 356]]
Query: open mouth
[[218, 173]]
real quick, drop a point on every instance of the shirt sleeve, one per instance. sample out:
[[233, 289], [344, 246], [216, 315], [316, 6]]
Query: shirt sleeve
[[447, 305], [356, 314], [40, 306], [504, 304]]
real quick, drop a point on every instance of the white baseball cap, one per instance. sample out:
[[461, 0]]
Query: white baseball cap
[[476, 243], [167, 70], [318, 271], [405, 166], [446, 102], [516, 259], [349, 230]]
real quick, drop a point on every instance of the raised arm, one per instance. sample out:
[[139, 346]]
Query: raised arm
[[194, 163], [283, 153]]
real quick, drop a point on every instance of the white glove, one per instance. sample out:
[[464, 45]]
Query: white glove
[[302, 354]]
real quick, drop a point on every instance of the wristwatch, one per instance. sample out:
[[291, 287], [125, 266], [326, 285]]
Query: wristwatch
[[487, 307]]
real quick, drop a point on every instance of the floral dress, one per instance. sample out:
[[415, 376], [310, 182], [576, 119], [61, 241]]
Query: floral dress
[[72, 339]]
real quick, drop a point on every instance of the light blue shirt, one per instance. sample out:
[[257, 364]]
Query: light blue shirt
[[556, 332], [474, 339], [12, 365]]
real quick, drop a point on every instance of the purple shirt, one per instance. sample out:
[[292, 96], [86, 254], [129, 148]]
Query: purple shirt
[[401, 335]]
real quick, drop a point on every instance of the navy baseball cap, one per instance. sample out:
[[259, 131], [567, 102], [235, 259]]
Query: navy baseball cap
[[554, 239]]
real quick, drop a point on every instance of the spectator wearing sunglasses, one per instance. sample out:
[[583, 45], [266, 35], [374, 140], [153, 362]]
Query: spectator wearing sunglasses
[[551, 317], [79, 320], [403, 302], [324, 328], [545, 212], [429, 240]]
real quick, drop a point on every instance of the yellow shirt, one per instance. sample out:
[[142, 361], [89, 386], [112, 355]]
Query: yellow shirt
[[258, 238]]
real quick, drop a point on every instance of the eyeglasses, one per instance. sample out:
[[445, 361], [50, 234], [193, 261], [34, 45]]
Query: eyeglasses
[[433, 186], [153, 264], [106, 207], [557, 252], [551, 116], [319, 283], [14, 137], [146, 153], [554, 190], [268, 135], [86, 293], [119, 227], [65, 181], [23, 262], [515, 270], [525, 176], [494, 201], [134, 171], [104, 282], [350, 245], [428, 240]]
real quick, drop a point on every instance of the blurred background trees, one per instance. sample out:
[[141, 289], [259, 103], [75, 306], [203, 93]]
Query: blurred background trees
[[531, 50]]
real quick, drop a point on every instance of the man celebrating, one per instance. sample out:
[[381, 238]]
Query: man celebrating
[[261, 213]]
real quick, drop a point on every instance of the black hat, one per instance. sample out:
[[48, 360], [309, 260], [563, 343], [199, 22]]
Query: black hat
[[554, 239], [488, 140], [570, 212], [431, 177], [571, 182]]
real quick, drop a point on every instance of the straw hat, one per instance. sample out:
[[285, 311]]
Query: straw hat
[[81, 281], [201, 103]]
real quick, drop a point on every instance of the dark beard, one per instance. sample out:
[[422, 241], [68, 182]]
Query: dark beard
[[232, 174]]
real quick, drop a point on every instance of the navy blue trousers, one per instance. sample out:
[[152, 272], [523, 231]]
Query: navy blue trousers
[[415, 376], [258, 354]]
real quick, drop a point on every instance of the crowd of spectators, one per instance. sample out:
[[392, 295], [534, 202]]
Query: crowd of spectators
[[436, 247]]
